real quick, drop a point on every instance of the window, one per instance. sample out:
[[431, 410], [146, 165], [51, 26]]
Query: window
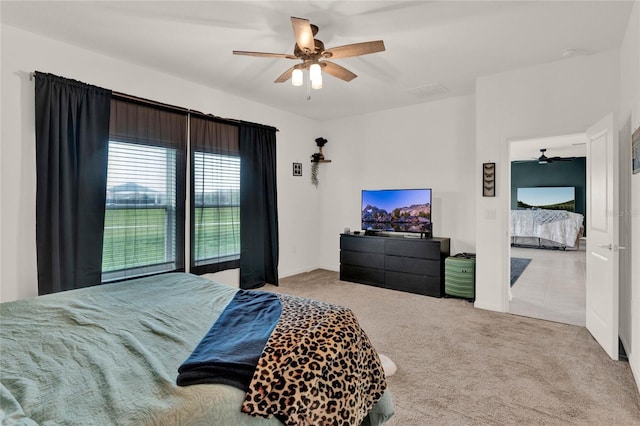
[[140, 218], [215, 195], [145, 200], [216, 208]]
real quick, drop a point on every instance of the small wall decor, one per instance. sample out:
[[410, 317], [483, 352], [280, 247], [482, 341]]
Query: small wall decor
[[314, 173], [297, 169], [316, 158], [489, 179], [635, 151]]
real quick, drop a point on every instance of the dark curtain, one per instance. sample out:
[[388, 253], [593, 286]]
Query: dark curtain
[[210, 136], [258, 206], [72, 137]]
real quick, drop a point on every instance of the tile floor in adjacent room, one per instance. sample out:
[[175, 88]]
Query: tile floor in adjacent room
[[552, 287]]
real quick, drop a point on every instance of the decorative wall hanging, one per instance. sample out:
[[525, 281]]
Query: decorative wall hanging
[[319, 156], [489, 179], [635, 151], [316, 158]]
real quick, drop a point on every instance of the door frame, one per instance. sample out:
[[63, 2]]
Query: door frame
[[507, 296]]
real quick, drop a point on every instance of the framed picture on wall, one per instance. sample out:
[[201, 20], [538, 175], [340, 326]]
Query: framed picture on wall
[[635, 151], [489, 179]]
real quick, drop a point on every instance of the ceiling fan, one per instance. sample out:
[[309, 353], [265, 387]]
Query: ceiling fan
[[543, 159], [313, 55]]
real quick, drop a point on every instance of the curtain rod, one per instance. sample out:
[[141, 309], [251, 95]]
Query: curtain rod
[[177, 108]]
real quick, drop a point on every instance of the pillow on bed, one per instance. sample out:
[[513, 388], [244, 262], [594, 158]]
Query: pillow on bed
[[388, 366]]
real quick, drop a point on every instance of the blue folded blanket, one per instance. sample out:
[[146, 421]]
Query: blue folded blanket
[[230, 350]]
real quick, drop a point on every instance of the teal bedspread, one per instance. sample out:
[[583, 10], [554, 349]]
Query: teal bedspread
[[109, 355]]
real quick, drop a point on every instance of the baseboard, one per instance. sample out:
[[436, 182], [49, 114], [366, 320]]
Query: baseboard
[[622, 353], [303, 271], [488, 307], [329, 268], [635, 370]]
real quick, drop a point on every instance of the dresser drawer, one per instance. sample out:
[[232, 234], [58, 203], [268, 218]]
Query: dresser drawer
[[359, 258], [412, 265], [362, 244], [358, 274], [420, 284], [421, 248]]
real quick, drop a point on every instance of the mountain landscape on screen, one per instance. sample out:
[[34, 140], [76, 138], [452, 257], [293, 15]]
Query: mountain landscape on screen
[[413, 218]]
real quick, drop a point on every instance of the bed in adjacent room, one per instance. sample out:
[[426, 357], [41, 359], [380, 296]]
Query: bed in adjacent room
[[109, 355], [547, 217], [546, 228]]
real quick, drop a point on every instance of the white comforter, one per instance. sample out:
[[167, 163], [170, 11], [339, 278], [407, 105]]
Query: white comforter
[[561, 227]]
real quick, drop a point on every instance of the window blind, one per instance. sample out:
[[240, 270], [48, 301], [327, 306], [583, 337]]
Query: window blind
[[140, 216], [216, 208]]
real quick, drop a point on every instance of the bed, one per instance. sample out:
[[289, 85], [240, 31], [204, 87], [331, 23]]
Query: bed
[[109, 355], [546, 228]]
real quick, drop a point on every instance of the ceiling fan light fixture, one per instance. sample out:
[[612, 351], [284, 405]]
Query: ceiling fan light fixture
[[297, 77], [317, 83], [315, 72], [315, 75]]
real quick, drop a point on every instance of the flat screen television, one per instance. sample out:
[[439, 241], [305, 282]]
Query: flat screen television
[[397, 210], [548, 198]]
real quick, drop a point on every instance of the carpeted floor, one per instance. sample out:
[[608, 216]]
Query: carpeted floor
[[518, 265], [459, 365]]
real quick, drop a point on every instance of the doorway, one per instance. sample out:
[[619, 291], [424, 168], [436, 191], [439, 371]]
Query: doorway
[[547, 245]]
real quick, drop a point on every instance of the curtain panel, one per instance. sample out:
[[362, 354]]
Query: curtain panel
[[258, 207], [215, 194], [139, 122], [72, 135]]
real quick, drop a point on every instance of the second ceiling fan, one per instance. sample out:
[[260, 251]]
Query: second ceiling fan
[[313, 55], [543, 159]]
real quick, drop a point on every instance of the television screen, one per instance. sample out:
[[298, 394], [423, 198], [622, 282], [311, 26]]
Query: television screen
[[547, 197], [397, 210]]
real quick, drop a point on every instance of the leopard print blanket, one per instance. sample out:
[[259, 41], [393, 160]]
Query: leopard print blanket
[[317, 368]]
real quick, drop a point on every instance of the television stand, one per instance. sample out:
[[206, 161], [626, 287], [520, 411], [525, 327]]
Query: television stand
[[414, 265]]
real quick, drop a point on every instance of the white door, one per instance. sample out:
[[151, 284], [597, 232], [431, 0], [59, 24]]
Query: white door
[[602, 235]]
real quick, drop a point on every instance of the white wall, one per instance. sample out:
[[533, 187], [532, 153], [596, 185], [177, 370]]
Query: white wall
[[428, 145], [558, 98], [629, 121], [24, 52]]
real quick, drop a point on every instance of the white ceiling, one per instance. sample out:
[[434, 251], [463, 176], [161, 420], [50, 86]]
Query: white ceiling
[[448, 43]]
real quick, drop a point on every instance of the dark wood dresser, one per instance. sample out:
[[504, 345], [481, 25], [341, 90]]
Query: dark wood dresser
[[415, 265]]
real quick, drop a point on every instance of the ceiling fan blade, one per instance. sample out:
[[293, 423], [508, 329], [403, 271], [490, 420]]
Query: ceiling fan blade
[[285, 75], [264, 54], [337, 71], [356, 49], [303, 33]]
